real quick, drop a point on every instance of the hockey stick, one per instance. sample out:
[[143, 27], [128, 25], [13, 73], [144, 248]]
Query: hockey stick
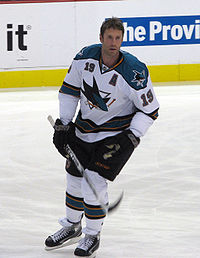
[[69, 151]]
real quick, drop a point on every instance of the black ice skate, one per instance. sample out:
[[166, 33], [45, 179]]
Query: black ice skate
[[88, 246], [68, 235]]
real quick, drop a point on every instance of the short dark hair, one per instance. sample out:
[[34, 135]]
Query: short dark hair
[[114, 23]]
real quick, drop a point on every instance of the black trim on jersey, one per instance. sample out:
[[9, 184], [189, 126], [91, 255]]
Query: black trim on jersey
[[154, 115], [117, 123]]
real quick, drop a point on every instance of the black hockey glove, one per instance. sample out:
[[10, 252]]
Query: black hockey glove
[[134, 140], [61, 136]]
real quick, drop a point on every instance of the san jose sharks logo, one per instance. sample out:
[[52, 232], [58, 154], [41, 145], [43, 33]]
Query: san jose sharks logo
[[93, 96], [139, 78]]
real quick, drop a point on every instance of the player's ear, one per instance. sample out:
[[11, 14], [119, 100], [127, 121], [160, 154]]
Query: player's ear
[[101, 38]]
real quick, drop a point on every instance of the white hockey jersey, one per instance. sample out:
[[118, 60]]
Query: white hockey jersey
[[111, 99]]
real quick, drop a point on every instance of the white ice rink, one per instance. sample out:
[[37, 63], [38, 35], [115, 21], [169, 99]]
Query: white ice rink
[[160, 214]]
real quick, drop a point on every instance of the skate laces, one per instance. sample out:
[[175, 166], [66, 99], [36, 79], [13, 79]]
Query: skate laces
[[86, 242], [63, 232]]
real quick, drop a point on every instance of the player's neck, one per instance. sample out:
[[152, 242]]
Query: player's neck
[[108, 60]]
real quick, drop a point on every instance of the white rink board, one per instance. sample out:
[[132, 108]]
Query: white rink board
[[55, 32]]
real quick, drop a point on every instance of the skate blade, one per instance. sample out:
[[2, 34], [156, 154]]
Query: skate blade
[[67, 243], [91, 256]]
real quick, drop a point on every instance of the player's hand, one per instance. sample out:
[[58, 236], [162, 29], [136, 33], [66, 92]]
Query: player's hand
[[61, 136]]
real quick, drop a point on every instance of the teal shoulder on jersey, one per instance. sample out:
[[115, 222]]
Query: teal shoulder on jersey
[[134, 72], [93, 52]]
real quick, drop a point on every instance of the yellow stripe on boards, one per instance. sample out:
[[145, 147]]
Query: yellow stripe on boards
[[175, 73], [33, 78], [164, 73], [189, 72], [39, 78]]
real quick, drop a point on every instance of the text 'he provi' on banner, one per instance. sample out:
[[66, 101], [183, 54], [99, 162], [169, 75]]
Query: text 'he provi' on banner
[[166, 30]]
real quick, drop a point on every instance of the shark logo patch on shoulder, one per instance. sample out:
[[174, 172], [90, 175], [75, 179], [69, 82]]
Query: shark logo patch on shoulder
[[139, 78]]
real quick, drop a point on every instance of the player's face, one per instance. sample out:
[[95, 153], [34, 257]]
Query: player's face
[[111, 42]]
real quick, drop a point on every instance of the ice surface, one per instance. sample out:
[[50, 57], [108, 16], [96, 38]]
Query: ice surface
[[160, 214]]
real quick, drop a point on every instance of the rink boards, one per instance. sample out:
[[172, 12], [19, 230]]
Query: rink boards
[[39, 40]]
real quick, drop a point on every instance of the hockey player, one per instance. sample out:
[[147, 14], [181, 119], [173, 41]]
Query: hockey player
[[117, 106]]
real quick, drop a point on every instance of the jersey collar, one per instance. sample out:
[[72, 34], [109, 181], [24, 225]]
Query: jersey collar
[[105, 69]]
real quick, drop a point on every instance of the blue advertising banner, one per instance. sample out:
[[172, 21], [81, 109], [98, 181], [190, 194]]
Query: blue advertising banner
[[165, 30]]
